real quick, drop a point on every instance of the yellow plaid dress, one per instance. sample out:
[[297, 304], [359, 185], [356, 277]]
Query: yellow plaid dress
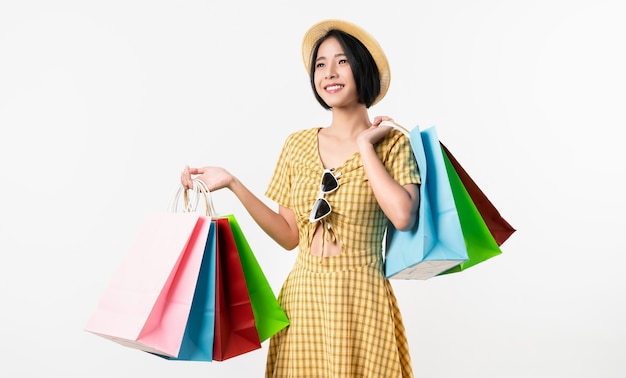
[[344, 317]]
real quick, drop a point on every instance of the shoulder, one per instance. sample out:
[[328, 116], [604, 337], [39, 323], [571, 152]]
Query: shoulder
[[304, 133], [300, 137], [394, 138], [392, 145]]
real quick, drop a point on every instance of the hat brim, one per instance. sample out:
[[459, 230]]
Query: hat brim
[[320, 29]]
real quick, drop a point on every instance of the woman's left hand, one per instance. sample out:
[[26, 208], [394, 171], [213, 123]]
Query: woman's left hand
[[375, 132]]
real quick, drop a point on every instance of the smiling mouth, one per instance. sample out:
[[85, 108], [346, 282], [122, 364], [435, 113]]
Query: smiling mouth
[[334, 87]]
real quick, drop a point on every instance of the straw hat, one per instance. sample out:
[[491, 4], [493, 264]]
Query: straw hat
[[320, 29]]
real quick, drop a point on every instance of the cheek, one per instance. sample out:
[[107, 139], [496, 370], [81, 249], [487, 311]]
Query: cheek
[[318, 83], [317, 77], [347, 74]]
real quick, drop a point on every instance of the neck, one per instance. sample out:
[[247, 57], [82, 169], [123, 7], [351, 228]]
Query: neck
[[350, 121]]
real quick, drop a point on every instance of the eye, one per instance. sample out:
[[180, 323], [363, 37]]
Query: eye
[[320, 65], [343, 61]]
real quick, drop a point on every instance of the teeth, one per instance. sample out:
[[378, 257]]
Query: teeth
[[334, 87]]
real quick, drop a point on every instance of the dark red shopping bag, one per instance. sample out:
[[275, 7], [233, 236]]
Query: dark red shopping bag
[[498, 226], [235, 328]]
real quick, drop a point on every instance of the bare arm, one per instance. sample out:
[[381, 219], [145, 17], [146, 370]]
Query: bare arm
[[280, 226], [398, 202]]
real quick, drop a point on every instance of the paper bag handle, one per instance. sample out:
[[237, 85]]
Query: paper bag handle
[[396, 126], [190, 203]]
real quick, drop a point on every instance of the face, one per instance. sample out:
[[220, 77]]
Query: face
[[333, 77]]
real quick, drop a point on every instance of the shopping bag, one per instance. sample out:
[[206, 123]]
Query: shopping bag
[[480, 242], [435, 243], [270, 318], [235, 326], [147, 302], [497, 225], [197, 343]]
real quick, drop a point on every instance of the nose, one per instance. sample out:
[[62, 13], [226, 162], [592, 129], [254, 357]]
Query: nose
[[330, 73]]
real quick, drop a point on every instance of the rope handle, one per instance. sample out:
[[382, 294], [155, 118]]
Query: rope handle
[[191, 202], [396, 126]]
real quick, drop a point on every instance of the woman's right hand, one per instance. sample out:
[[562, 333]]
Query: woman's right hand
[[281, 226], [213, 177]]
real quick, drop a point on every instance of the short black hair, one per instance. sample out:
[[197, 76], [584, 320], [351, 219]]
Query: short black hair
[[364, 69]]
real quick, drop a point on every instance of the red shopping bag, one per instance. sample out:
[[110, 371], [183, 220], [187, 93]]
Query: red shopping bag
[[235, 327], [147, 302], [497, 225]]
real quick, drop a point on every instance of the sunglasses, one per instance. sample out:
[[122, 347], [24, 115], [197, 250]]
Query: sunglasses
[[321, 207]]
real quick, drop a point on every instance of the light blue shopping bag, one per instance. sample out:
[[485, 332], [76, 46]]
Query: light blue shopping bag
[[436, 243]]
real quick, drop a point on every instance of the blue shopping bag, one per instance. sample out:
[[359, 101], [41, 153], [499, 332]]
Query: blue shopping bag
[[197, 343], [435, 243]]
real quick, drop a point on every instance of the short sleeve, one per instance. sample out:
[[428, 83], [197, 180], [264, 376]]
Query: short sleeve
[[401, 162], [280, 184]]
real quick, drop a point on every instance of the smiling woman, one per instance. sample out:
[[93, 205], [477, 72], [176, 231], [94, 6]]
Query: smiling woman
[[102, 104], [336, 188]]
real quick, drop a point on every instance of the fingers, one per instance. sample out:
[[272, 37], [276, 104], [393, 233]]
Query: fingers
[[188, 175], [185, 178], [379, 119]]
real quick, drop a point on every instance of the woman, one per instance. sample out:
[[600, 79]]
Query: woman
[[336, 188]]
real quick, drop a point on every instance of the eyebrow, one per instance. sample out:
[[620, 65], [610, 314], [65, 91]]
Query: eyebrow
[[335, 56]]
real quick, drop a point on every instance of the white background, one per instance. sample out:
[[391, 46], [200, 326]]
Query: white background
[[102, 103]]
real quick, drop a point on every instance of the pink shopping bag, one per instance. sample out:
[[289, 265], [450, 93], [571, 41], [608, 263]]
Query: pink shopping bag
[[147, 302]]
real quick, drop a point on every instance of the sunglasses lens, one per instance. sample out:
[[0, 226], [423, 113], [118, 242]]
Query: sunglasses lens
[[329, 182], [321, 209]]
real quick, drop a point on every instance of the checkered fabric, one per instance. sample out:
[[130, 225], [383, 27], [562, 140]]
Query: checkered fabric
[[344, 317]]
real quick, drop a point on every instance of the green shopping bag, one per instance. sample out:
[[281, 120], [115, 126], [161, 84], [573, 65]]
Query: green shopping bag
[[480, 242], [499, 227], [270, 318]]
